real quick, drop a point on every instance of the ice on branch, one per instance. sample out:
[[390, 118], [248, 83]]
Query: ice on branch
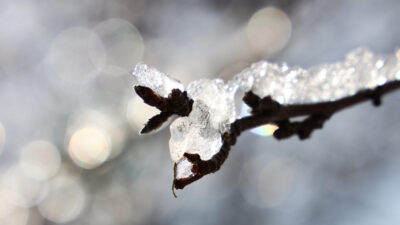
[[160, 83], [194, 134], [200, 133], [360, 70], [214, 108], [218, 97]]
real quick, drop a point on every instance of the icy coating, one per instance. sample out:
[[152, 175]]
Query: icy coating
[[360, 70], [161, 83], [195, 134], [214, 106], [218, 97]]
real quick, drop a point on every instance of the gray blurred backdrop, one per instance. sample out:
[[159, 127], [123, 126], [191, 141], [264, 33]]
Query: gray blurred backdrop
[[69, 119]]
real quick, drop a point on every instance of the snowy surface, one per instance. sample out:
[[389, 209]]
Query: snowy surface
[[214, 107]]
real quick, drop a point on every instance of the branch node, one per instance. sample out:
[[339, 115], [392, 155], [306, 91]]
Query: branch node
[[259, 105], [251, 99], [177, 103]]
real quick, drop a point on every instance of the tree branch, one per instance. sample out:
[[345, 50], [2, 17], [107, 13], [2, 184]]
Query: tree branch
[[266, 110]]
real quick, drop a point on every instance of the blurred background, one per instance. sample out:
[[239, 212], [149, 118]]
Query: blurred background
[[70, 151]]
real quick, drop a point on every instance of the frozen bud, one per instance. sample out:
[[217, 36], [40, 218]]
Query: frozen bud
[[218, 97], [150, 77], [194, 134]]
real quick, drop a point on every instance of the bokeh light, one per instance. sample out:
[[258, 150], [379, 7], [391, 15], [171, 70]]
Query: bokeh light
[[268, 181], [40, 160], [264, 130], [138, 113], [2, 137], [11, 211], [274, 182], [268, 30], [123, 43], [120, 205], [30, 190], [77, 55], [65, 201], [110, 124], [89, 147]]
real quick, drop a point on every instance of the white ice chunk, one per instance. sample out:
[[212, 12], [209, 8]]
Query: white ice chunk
[[183, 169], [218, 97], [194, 134], [150, 77], [249, 76]]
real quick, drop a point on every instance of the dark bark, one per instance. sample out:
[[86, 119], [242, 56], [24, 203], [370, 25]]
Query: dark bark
[[177, 103]]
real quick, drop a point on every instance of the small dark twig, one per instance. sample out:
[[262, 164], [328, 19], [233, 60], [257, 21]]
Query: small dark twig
[[155, 122], [177, 103], [303, 129], [151, 98]]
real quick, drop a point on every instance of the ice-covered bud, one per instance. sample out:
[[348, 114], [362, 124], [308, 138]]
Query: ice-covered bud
[[194, 134], [218, 97], [162, 84]]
